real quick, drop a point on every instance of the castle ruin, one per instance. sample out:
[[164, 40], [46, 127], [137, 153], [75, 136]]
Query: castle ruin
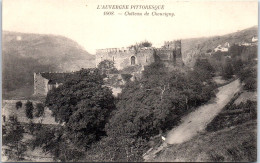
[[170, 53], [46, 81]]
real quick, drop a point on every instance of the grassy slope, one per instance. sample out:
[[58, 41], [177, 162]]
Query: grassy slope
[[230, 144], [196, 121], [195, 46], [232, 138], [8, 109], [23, 54]]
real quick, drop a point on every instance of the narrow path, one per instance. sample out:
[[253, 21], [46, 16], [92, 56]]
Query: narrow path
[[198, 120]]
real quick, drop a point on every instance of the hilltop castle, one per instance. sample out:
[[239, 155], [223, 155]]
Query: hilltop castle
[[170, 53]]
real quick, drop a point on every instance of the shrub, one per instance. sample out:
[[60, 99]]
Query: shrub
[[31, 127], [234, 115], [18, 104], [113, 80], [209, 51], [40, 109], [12, 136], [130, 69], [249, 76], [118, 149], [29, 110], [54, 141], [250, 84], [126, 77]]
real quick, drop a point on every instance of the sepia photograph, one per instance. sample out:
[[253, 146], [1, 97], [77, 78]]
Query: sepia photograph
[[129, 81]]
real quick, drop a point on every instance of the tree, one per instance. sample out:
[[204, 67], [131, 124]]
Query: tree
[[18, 105], [156, 74], [29, 110], [12, 136], [199, 88], [84, 104], [140, 45], [107, 67], [248, 76], [146, 44], [53, 140], [216, 60], [31, 127], [146, 107], [161, 95], [160, 98], [227, 71], [238, 65], [40, 109], [206, 71], [236, 50], [142, 110]]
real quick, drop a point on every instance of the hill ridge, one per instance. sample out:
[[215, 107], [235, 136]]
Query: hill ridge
[[193, 47], [23, 54]]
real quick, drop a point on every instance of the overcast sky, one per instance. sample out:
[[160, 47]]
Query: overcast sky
[[92, 30]]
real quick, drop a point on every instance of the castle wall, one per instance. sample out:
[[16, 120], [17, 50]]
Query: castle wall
[[170, 53], [122, 58], [170, 57], [40, 85], [165, 54]]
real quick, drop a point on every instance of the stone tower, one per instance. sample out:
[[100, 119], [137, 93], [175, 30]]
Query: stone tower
[[175, 50], [177, 47]]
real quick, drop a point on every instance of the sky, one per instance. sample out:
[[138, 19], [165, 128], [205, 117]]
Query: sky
[[81, 21]]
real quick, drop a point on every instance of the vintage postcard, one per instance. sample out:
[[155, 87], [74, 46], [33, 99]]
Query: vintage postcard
[[137, 81]]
